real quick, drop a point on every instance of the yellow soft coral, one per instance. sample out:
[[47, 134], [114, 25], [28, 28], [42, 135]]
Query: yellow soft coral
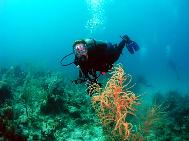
[[115, 102]]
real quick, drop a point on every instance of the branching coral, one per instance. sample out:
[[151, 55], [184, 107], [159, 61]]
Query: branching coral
[[153, 119], [115, 102]]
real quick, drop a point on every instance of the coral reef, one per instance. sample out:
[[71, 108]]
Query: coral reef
[[46, 106], [8, 129], [177, 108], [56, 99], [152, 119]]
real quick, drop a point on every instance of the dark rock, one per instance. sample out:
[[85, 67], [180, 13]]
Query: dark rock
[[5, 92]]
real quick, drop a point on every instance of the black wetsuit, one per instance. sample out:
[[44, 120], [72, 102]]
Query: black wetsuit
[[101, 57]]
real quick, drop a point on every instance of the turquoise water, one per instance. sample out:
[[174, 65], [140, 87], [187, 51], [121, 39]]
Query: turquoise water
[[41, 32], [33, 30]]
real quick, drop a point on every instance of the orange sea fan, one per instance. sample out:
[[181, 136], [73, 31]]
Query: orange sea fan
[[115, 102]]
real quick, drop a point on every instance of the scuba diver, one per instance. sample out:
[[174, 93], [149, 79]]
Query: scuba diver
[[92, 56]]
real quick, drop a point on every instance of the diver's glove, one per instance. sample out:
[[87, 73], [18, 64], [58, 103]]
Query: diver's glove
[[132, 46]]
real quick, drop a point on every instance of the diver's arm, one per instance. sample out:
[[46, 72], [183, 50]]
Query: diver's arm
[[83, 77], [80, 80], [76, 62]]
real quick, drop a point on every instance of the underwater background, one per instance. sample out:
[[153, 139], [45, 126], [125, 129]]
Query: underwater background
[[36, 34]]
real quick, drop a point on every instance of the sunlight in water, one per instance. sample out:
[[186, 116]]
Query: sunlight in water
[[97, 16]]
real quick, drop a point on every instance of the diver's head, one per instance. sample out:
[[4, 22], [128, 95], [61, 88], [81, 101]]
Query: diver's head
[[80, 50]]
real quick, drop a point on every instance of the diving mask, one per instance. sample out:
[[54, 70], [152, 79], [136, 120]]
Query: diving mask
[[80, 51]]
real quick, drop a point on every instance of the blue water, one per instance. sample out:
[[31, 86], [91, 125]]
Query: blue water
[[43, 31]]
